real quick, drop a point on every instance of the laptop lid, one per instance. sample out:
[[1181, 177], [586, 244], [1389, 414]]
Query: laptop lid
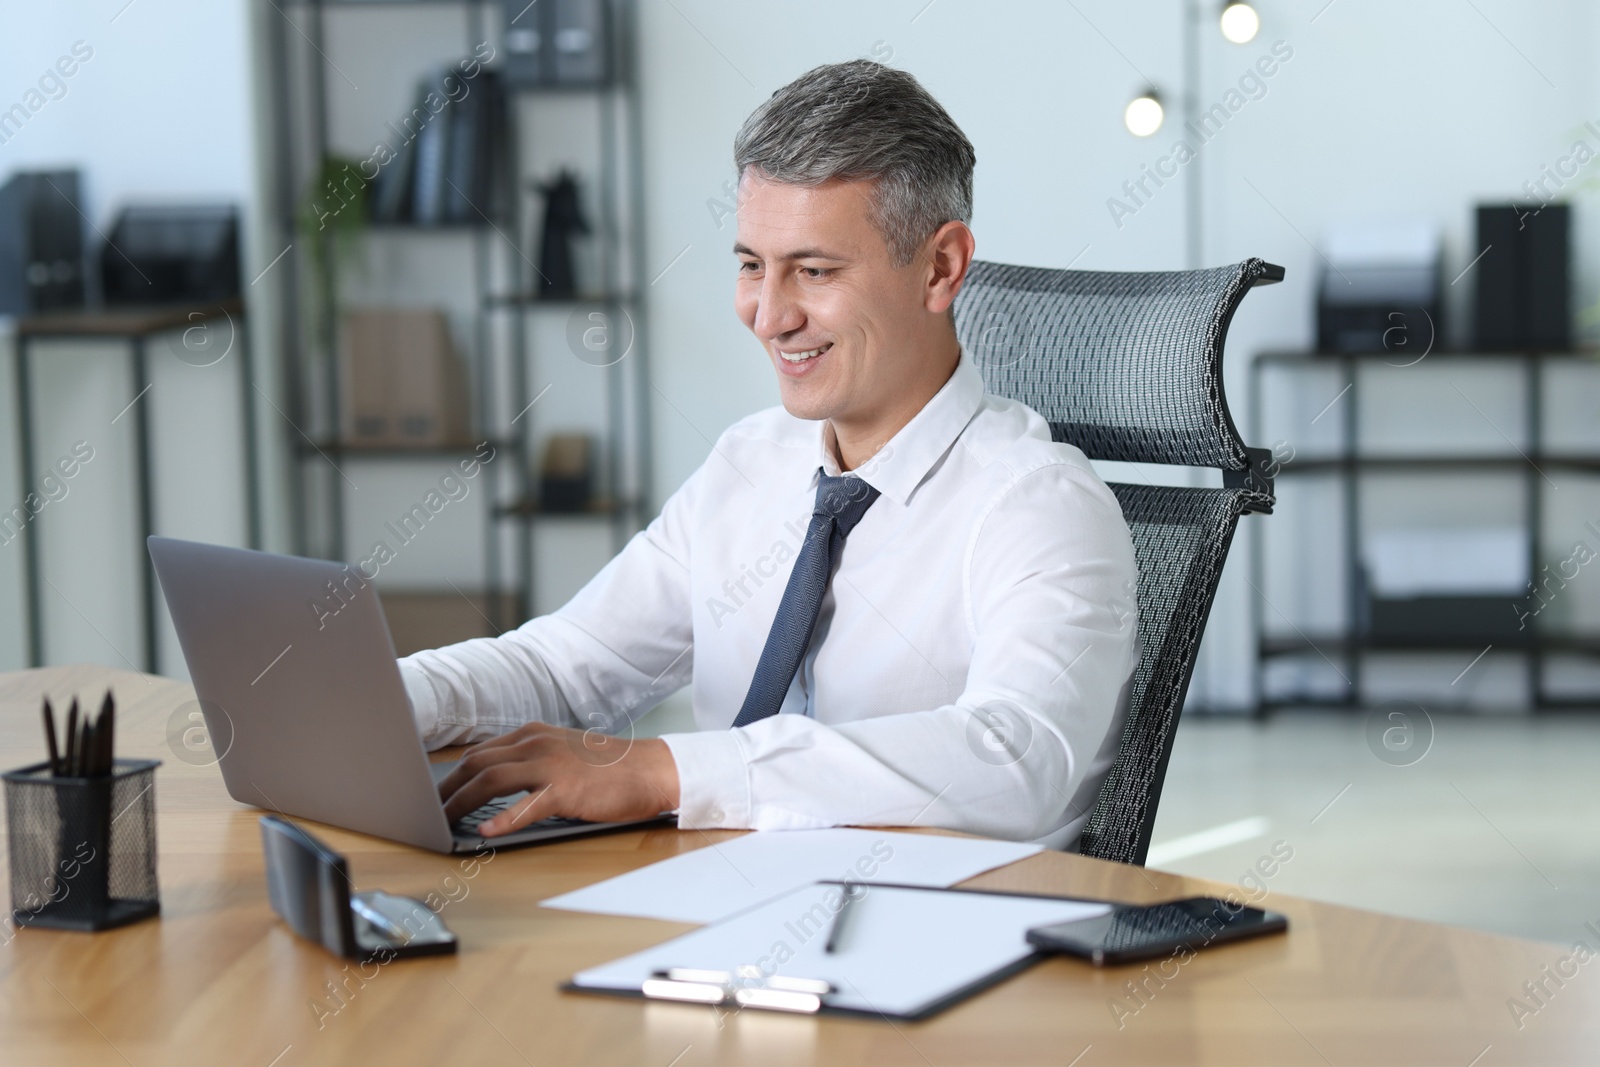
[[296, 675]]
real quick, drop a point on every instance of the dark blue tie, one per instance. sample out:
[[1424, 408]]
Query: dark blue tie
[[840, 504]]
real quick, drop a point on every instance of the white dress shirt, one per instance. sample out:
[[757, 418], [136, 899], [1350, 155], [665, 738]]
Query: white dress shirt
[[970, 663]]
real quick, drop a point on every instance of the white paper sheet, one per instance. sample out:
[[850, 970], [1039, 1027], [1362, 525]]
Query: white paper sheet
[[900, 952], [709, 883]]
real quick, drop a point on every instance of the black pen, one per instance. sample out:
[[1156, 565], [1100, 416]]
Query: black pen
[[838, 919], [50, 738]]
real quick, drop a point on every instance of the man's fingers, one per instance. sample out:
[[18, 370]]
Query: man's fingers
[[512, 737], [532, 808], [479, 758], [497, 781], [464, 771]]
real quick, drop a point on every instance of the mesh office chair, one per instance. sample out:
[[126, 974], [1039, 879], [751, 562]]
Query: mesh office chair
[[1128, 366]]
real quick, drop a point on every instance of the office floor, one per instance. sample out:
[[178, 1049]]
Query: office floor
[[1494, 826]]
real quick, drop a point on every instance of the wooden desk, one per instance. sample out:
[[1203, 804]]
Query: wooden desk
[[219, 980]]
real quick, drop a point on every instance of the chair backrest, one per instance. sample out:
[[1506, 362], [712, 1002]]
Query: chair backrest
[[1128, 366]]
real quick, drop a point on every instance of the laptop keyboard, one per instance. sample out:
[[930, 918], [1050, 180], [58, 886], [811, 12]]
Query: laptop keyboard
[[468, 824]]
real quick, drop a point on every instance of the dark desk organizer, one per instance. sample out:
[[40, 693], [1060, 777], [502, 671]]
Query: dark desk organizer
[[83, 850], [308, 885]]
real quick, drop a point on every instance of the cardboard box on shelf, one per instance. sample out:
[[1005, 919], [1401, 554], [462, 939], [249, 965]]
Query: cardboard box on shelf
[[403, 383]]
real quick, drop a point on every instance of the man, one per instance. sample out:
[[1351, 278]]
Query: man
[[897, 601]]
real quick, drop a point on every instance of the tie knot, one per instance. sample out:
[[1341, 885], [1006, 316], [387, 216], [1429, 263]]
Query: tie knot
[[844, 499]]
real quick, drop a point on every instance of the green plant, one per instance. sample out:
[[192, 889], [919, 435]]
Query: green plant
[[331, 219]]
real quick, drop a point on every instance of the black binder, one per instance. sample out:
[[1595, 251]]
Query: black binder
[[1523, 286], [475, 131], [558, 43], [432, 157], [41, 243]]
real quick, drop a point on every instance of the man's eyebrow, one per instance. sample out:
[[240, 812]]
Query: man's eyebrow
[[740, 249]]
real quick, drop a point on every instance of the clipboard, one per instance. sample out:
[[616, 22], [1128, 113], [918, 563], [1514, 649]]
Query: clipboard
[[905, 952]]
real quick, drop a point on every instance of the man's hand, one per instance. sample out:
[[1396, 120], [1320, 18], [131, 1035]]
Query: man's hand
[[576, 773]]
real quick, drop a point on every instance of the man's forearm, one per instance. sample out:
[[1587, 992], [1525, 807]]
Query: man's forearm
[[479, 689], [791, 772]]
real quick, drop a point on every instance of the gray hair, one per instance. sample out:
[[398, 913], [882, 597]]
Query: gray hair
[[863, 121]]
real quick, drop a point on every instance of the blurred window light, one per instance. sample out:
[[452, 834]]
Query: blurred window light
[[1240, 23], [1144, 114]]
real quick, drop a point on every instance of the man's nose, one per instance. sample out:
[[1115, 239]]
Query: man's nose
[[778, 312]]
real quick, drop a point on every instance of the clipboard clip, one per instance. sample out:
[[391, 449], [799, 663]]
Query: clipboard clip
[[747, 987]]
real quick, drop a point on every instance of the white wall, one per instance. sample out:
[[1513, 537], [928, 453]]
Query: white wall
[[163, 110], [160, 110], [1383, 110]]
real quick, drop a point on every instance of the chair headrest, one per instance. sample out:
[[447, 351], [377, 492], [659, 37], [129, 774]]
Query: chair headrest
[[1124, 365]]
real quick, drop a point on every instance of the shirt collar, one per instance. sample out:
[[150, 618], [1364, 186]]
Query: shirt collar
[[901, 465]]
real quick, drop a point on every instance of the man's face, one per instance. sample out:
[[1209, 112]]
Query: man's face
[[818, 286]]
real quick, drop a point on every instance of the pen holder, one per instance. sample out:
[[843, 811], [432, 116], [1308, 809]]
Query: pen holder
[[82, 850]]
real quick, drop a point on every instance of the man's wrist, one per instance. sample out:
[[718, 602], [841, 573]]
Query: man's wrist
[[659, 770]]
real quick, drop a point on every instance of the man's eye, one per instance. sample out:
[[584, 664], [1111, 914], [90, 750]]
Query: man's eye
[[749, 266], [814, 272]]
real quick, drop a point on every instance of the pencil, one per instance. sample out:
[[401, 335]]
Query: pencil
[[50, 739], [106, 726], [72, 739]]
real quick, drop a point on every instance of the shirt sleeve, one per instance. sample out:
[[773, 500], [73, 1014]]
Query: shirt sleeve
[[1051, 584], [613, 652]]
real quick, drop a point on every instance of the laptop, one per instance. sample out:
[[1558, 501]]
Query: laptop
[[297, 680]]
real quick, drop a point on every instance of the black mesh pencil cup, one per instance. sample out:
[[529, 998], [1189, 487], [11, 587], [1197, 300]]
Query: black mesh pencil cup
[[83, 850]]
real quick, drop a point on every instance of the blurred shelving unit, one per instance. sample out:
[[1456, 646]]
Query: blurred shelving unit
[[1507, 443], [344, 70]]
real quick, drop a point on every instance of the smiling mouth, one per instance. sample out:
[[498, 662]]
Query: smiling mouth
[[802, 356]]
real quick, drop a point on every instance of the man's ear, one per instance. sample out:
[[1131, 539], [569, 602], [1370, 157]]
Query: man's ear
[[948, 254]]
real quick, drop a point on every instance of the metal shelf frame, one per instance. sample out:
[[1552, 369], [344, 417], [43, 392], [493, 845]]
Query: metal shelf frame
[[1349, 463], [303, 131]]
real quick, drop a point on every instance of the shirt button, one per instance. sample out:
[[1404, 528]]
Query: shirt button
[[715, 814]]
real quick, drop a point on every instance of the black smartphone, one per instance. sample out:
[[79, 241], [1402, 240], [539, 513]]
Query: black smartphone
[[1130, 932]]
